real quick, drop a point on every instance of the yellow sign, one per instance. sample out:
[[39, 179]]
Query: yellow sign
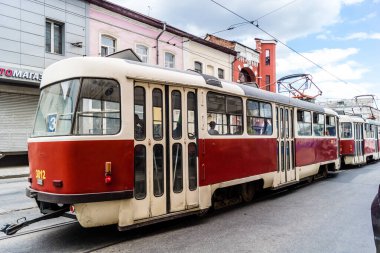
[[40, 174]]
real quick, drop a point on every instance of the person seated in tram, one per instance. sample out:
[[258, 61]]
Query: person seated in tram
[[268, 127], [212, 129], [139, 127]]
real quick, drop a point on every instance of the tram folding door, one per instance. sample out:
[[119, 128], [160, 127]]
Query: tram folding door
[[359, 142], [165, 150], [285, 140], [183, 149]]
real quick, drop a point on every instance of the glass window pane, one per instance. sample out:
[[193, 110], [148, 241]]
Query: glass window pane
[[98, 108], [177, 168], [157, 114], [192, 165], [55, 113], [234, 105], [346, 130], [158, 170], [252, 108], [139, 118], [265, 110], [142, 52], [169, 60], [216, 103], [140, 172], [48, 37], [57, 38], [198, 67], [176, 115], [191, 115]]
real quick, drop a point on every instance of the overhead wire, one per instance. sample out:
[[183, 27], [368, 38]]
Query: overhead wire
[[284, 44], [233, 26]]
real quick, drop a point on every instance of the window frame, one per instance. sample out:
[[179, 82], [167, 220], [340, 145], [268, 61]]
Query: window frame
[[142, 57], [52, 37], [201, 67], [106, 46], [259, 116], [304, 122], [166, 62], [220, 73], [225, 114]]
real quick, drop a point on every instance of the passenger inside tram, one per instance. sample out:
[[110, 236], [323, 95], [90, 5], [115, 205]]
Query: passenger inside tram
[[212, 129]]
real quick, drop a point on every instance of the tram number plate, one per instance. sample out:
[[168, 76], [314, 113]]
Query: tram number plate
[[40, 176], [40, 181]]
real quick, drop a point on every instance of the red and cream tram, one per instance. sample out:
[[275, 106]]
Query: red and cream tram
[[359, 141], [126, 143]]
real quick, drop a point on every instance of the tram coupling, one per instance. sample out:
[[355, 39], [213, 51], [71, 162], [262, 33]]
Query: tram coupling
[[10, 229]]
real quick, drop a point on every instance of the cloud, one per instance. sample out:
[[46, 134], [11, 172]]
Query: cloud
[[296, 19], [361, 36], [342, 77]]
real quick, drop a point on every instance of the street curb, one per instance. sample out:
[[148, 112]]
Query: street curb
[[14, 176]]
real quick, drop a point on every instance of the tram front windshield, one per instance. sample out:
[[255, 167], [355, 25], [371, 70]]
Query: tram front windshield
[[87, 106]]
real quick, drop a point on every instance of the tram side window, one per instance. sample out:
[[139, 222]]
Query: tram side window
[[157, 114], [176, 115], [177, 168], [98, 107], [192, 166], [224, 114], [318, 124], [158, 170], [139, 118], [234, 115], [346, 130], [330, 126], [259, 118], [369, 129], [304, 123]]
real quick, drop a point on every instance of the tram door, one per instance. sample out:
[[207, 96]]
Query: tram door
[[150, 151], [165, 161], [359, 142], [183, 187], [285, 140]]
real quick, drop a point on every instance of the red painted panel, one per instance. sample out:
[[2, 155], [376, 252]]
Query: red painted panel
[[81, 165], [314, 150], [369, 146], [347, 147], [227, 159]]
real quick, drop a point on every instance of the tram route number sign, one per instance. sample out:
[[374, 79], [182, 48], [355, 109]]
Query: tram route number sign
[[51, 122]]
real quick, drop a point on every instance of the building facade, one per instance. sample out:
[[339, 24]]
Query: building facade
[[33, 35], [252, 66]]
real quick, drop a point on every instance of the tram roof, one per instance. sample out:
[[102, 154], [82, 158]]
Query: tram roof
[[104, 67], [350, 118]]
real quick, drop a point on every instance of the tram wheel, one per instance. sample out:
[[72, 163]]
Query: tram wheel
[[247, 192]]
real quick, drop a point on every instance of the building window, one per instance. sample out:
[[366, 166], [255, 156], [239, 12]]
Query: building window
[[142, 52], [221, 73], [169, 60], [267, 57], [267, 82], [198, 67], [54, 37], [108, 45]]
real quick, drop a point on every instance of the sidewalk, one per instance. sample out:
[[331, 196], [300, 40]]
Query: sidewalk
[[14, 172]]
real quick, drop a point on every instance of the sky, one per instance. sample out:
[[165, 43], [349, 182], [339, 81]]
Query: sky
[[341, 36]]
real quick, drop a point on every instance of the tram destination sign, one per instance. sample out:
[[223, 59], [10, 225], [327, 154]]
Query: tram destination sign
[[17, 74]]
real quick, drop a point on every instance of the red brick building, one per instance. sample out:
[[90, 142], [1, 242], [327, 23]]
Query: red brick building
[[252, 66]]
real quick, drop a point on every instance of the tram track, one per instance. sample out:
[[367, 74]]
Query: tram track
[[36, 230]]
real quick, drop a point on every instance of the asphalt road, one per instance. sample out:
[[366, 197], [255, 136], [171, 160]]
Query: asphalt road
[[331, 215]]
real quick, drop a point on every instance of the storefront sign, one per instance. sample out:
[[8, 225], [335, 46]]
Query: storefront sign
[[20, 74]]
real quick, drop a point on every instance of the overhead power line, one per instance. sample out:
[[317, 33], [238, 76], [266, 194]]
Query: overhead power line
[[231, 27], [284, 44]]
